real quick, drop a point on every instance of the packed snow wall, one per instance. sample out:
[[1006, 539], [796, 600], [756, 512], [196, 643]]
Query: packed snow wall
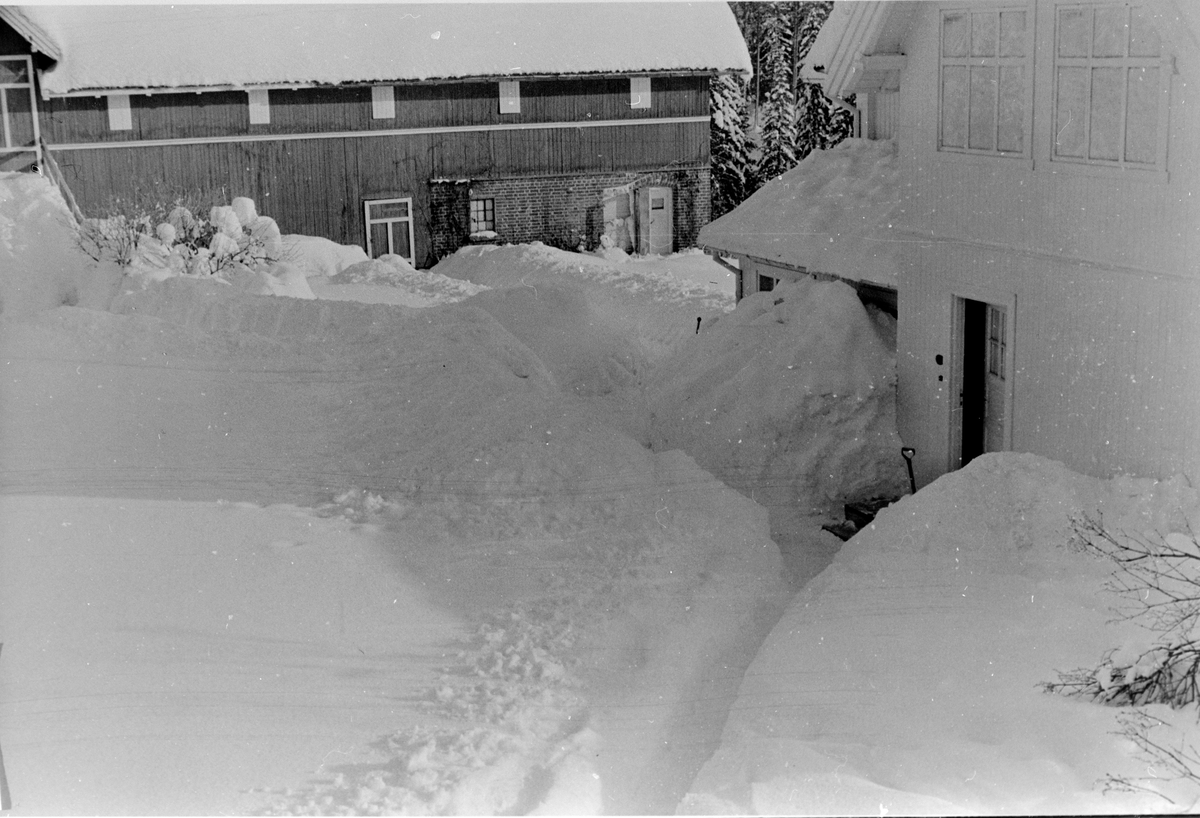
[[42, 268], [790, 398]]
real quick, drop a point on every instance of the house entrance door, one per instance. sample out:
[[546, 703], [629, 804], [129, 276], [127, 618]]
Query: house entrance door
[[979, 423]]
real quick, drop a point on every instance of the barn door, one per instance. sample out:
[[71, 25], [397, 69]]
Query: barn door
[[19, 148], [656, 234], [978, 423]]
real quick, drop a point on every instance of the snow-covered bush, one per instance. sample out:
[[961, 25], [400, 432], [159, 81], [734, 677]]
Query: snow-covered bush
[[1157, 583], [232, 239]]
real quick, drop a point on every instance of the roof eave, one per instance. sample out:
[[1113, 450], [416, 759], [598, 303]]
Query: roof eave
[[291, 86], [35, 35]]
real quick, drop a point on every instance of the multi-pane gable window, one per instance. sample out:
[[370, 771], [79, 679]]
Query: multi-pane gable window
[[984, 82], [483, 215], [1109, 92]]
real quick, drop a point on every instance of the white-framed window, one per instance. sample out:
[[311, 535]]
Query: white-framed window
[[510, 96], [639, 92], [1111, 87], [120, 117], [383, 102], [18, 107], [389, 225], [985, 81], [483, 215], [260, 106]]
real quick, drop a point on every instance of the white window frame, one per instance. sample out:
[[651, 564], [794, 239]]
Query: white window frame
[[483, 202], [510, 96], [383, 102], [260, 106], [1163, 62], [639, 92], [6, 88], [997, 62], [120, 116], [390, 220]]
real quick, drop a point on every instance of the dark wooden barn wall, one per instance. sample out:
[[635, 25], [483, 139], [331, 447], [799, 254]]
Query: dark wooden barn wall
[[316, 110], [317, 186]]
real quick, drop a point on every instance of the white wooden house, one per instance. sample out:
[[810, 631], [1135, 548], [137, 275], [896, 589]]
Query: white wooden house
[[1048, 234]]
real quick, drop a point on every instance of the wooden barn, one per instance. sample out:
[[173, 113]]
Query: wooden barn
[[1044, 232], [403, 128]]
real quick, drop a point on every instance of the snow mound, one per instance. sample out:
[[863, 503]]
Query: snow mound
[[40, 266], [651, 311], [316, 256], [904, 679], [790, 397], [831, 213], [391, 279]]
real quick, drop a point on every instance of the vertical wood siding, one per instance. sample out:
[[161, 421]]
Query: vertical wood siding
[[883, 114], [316, 187], [316, 110]]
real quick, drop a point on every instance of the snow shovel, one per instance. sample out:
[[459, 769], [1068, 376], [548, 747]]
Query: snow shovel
[[5, 798], [907, 453]]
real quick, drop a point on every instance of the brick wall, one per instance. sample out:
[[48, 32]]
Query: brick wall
[[561, 210]]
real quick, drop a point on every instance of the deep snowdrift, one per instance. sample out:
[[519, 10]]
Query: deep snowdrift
[[479, 590], [790, 397], [904, 679], [567, 592]]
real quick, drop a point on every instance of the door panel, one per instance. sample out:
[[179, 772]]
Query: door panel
[[979, 380], [996, 388]]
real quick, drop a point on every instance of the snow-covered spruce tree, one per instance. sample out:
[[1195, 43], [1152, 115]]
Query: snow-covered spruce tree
[[778, 133], [731, 170], [819, 123]]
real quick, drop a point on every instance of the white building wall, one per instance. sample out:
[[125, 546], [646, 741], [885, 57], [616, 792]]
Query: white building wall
[[1103, 268]]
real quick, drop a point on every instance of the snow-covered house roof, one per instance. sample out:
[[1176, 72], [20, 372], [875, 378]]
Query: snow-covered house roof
[[107, 47], [31, 31], [861, 45], [832, 213]]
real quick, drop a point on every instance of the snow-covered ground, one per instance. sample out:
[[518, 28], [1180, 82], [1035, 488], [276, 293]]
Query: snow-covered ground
[[534, 531]]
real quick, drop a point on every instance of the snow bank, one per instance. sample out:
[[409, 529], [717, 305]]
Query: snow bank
[[904, 679], [315, 256], [832, 213], [650, 312], [40, 266], [789, 398], [390, 279]]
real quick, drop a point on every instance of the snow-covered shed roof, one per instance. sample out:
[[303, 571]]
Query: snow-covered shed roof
[[108, 47], [832, 213]]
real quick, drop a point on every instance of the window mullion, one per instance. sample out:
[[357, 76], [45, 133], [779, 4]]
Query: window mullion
[[4, 116]]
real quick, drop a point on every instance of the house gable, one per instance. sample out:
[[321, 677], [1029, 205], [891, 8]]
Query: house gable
[[1050, 162]]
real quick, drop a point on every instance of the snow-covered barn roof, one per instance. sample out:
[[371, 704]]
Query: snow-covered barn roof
[[107, 47], [832, 213]]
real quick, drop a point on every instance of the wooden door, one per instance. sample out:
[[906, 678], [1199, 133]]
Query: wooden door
[[995, 391], [980, 377]]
